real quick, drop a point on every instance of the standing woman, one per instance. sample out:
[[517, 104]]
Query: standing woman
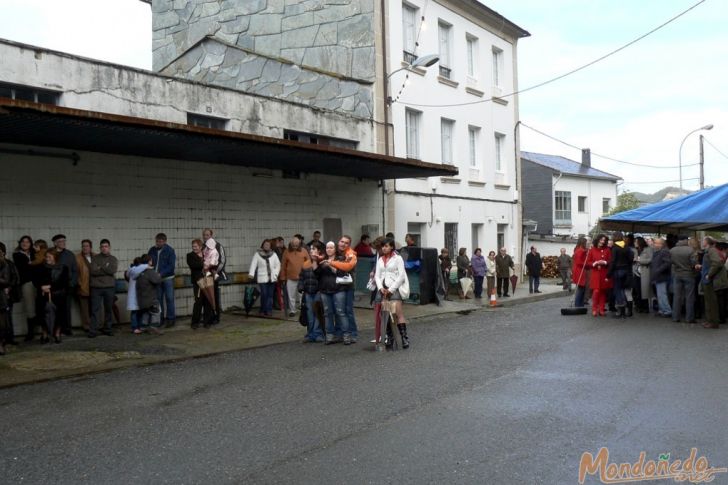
[[479, 269], [52, 284], [645, 261], [267, 266], [201, 310], [23, 257], [445, 267], [7, 282], [598, 259], [463, 263], [490, 272], [392, 284], [333, 296], [578, 271]]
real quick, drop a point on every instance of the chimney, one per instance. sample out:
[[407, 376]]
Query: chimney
[[586, 157]]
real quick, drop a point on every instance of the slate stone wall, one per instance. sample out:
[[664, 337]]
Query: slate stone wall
[[330, 35]]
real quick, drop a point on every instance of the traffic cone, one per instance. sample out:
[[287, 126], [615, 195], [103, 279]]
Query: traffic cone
[[493, 301]]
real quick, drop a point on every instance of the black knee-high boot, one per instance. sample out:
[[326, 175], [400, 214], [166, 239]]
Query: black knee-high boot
[[628, 312], [403, 333]]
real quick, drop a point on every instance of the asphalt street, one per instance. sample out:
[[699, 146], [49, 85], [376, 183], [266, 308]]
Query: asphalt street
[[510, 396]]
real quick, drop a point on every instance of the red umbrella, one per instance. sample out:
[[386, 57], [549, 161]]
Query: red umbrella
[[514, 282]]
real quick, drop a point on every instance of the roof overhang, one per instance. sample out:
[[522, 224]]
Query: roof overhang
[[35, 124]]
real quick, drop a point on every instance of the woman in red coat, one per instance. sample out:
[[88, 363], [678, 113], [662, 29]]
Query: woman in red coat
[[598, 259], [579, 271]]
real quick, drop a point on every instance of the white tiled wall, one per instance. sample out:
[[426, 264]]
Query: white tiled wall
[[129, 199]]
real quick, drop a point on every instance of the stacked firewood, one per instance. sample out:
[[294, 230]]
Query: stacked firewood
[[550, 267]]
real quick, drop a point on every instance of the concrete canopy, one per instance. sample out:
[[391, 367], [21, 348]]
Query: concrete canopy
[[27, 123]]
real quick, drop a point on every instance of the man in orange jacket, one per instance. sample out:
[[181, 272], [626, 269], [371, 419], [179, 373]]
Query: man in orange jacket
[[348, 266]]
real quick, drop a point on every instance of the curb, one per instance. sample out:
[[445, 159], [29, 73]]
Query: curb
[[176, 360]]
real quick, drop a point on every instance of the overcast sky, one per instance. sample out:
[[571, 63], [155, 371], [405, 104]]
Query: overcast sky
[[635, 106]]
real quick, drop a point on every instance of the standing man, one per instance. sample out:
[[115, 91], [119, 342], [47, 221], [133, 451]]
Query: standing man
[[409, 240], [316, 238], [222, 276], [683, 280], [102, 271], [348, 266], [503, 267], [660, 275], [67, 259], [565, 263], [294, 259], [164, 260], [83, 261], [713, 279], [364, 248], [534, 264]]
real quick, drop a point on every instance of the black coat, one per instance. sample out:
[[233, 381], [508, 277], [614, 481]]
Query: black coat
[[146, 288], [534, 264], [660, 266], [196, 264]]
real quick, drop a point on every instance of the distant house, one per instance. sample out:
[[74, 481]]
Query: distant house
[[563, 196]]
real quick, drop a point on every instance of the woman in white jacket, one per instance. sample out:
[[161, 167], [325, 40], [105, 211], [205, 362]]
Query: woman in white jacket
[[267, 265], [392, 284]]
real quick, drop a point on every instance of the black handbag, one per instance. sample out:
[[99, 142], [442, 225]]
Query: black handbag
[[303, 317]]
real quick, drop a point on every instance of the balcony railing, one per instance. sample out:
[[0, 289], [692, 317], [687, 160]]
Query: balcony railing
[[445, 72], [408, 57]]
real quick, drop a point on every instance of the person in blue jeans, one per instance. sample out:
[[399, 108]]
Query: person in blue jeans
[[333, 296], [265, 267], [309, 286], [479, 269], [345, 263], [660, 273], [164, 261]]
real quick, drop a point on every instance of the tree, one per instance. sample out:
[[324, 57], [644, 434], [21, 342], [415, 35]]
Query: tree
[[625, 201]]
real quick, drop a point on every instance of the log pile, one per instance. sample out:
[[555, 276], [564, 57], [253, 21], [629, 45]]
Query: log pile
[[550, 267]]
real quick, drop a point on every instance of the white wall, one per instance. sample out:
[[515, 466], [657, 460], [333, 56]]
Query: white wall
[[595, 190], [109, 88], [480, 195], [130, 199]]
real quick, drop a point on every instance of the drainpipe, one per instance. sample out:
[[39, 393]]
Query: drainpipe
[[385, 84]]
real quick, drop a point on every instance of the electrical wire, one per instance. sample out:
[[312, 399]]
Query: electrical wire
[[646, 165], [714, 147], [569, 73], [661, 181]]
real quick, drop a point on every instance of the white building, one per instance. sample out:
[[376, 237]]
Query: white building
[[564, 197], [477, 51], [97, 150]]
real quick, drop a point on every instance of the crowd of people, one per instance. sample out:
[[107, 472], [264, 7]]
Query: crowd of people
[[316, 279], [674, 277], [46, 281], [494, 271]]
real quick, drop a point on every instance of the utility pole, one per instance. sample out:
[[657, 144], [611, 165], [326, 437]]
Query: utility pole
[[702, 164]]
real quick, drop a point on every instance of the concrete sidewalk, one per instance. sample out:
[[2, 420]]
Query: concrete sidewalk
[[78, 355]]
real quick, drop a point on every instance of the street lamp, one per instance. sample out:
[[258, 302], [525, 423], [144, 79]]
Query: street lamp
[[422, 61], [706, 127]]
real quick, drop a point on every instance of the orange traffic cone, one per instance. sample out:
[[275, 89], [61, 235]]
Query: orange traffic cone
[[493, 301]]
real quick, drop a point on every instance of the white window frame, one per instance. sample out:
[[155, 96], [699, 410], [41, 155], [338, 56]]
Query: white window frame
[[473, 140], [409, 28], [565, 197], [447, 133], [471, 43], [412, 122], [500, 143], [444, 36], [579, 208], [497, 67]]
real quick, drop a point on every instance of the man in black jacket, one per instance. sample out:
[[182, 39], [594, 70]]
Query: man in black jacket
[[67, 259], [534, 264], [620, 271]]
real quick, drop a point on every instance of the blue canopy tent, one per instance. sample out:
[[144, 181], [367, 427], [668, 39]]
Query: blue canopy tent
[[706, 210]]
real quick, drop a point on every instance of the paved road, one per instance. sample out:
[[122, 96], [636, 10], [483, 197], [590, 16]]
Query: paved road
[[507, 397]]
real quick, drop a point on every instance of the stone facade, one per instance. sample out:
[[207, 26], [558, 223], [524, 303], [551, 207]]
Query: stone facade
[[217, 63], [335, 36]]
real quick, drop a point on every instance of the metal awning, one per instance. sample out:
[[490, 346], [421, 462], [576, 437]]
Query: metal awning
[[44, 125]]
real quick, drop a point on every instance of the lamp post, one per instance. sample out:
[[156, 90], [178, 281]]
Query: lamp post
[[422, 61], [706, 127]]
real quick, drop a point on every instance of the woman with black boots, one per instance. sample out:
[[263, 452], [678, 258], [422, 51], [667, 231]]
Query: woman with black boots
[[620, 272], [393, 285]]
